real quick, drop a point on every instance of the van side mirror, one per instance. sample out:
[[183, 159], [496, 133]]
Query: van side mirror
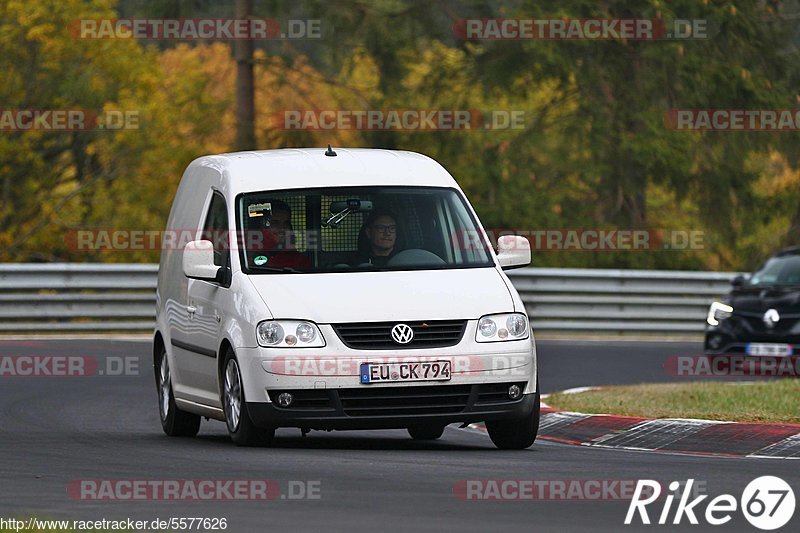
[[198, 261], [513, 251], [738, 281]]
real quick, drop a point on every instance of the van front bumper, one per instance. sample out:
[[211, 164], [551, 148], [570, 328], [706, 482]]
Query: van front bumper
[[392, 408], [337, 367]]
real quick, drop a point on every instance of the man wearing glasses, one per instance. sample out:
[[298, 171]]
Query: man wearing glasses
[[379, 238]]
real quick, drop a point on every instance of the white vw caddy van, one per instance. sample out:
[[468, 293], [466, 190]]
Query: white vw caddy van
[[347, 289]]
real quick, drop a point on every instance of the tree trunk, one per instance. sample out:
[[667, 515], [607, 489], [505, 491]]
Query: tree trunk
[[245, 90], [792, 237]]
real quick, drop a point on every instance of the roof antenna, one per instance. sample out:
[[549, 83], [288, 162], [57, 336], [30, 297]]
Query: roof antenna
[[329, 152]]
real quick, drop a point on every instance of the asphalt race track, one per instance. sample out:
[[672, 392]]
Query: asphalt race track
[[57, 430]]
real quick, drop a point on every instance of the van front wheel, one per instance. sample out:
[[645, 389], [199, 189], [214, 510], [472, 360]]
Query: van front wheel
[[517, 433], [240, 427]]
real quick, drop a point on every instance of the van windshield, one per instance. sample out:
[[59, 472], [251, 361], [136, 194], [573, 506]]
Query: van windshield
[[358, 229]]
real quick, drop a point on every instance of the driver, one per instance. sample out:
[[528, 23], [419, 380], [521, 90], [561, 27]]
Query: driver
[[378, 241]]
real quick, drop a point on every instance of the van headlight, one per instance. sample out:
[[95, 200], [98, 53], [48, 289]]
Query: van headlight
[[503, 327], [289, 334], [718, 311]]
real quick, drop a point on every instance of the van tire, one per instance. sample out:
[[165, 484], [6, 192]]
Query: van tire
[[426, 432], [517, 433], [174, 422], [240, 426]]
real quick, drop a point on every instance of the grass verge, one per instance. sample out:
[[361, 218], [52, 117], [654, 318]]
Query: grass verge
[[765, 401]]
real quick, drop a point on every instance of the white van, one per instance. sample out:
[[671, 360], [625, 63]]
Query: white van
[[347, 289]]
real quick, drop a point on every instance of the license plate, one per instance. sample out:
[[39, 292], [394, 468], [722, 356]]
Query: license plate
[[402, 372], [769, 348]]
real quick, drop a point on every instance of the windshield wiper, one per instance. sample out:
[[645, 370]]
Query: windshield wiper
[[289, 270]]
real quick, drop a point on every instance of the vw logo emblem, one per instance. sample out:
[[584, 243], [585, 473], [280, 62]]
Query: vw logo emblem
[[771, 317], [402, 334]]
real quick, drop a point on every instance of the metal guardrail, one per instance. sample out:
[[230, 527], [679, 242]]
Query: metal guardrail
[[47, 298], [59, 297], [623, 302]]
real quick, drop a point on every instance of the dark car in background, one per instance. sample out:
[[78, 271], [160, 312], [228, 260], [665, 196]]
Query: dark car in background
[[760, 316]]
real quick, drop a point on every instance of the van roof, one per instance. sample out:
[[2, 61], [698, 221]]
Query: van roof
[[292, 168]]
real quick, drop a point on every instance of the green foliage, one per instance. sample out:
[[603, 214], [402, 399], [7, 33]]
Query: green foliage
[[594, 153]]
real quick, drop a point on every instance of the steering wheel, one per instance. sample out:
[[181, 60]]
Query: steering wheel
[[415, 257]]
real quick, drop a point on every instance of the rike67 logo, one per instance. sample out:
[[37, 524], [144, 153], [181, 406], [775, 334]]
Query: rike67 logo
[[767, 503]]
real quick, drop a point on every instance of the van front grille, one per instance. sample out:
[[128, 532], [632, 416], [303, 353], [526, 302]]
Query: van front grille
[[378, 335]]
